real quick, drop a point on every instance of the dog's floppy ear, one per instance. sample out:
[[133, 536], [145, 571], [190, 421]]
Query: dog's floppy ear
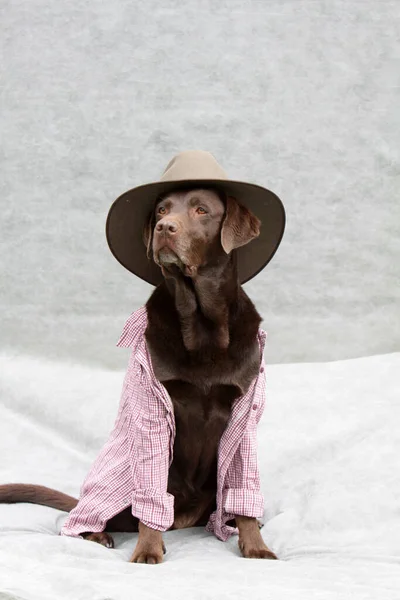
[[148, 234], [239, 227]]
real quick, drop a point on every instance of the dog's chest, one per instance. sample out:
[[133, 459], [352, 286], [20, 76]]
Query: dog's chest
[[214, 372], [200, 418]]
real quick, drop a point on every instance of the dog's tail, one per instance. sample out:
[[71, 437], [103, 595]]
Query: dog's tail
[[11, 493]]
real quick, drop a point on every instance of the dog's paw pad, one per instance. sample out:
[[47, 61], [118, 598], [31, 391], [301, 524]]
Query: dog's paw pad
[[257, 552], [101, 537], [149, 556]]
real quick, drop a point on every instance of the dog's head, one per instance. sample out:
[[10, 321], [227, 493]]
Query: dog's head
[[192, 228]]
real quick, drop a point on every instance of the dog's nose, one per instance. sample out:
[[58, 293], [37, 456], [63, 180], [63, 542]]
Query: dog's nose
[[167, 226]]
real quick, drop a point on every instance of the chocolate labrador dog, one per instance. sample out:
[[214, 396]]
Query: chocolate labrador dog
[[202, 338]]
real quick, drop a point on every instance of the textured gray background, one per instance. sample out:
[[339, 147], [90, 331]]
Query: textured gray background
[[299, 96]]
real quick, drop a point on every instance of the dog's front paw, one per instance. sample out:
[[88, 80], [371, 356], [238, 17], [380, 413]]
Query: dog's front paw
[[150, 554], [101, 537], [256, 549]]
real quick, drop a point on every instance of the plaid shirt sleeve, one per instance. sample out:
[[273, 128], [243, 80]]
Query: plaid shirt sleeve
[[242, 494], [149, 449]]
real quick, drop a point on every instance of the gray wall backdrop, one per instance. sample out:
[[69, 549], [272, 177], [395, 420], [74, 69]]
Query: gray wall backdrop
[[299, 96]]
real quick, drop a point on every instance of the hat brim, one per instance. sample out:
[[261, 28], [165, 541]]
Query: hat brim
[[129, 213]]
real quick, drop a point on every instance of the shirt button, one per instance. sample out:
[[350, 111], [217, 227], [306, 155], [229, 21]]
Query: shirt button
[[262, 370], [255, 406]]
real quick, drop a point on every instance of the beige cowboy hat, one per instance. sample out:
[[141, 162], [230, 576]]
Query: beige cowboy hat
[[195, 168]]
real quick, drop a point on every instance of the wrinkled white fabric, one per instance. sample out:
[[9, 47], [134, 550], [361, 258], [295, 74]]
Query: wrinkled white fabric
[[328, 448]]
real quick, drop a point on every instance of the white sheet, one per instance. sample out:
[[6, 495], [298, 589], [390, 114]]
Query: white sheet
[[328, 448]]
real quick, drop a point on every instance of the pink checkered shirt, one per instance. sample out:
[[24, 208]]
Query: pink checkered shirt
[[132, 468]]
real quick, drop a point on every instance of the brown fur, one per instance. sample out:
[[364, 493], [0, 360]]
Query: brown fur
[[36, 494], [250, 542], [202, 338]]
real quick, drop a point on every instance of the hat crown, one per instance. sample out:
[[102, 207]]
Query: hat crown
[[193, 164]]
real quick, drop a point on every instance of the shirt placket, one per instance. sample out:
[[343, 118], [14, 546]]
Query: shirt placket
[[160, 392], [230, 440]]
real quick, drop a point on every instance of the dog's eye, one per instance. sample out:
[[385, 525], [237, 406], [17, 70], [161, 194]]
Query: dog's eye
[[200, 210], [161, 210]]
